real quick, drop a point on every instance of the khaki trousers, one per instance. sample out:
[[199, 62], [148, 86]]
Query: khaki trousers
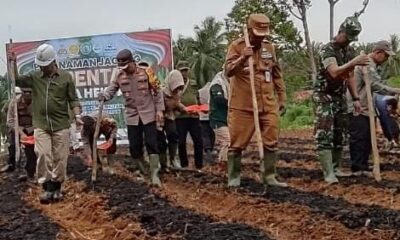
[[52, 151], [222, 140], [241, 129], [74, 140]]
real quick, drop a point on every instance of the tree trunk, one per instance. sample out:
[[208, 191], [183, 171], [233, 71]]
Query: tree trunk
[[308, 43], [331, 18]]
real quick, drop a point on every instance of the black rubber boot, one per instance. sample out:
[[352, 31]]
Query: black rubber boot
[[57, 195], [47, 196]]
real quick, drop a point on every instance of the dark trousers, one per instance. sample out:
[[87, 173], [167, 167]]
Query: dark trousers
[[389, 125], [29, 150], [30, 166], [168, 138], [208, 136], [192, 126], [135, 137], [11, 148], [360, 142]]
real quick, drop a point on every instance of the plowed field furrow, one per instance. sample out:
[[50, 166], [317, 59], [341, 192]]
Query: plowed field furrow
[[130, 199], [350, 215], [283, 220], [19, 220], [198, 205]]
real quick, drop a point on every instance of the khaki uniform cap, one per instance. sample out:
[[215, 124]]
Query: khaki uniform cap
[[259, 23]]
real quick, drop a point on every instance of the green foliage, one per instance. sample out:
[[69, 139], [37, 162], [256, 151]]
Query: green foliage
[[295, 83], [296, 67], [284, 32], [298, 115], [4, 86], [205, 52], [183, 49], [394, 82]]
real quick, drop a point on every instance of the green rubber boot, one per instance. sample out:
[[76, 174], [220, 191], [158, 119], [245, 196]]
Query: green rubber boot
[[141, 165], [269, 173], [337, 157], [154, 160], [163, 162], [325, 158], [234, 168], [174, 160]]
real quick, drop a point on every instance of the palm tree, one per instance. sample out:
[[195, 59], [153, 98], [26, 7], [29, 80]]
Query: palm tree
[[205, 52], [209, 48], [392, 67], [183, 49]]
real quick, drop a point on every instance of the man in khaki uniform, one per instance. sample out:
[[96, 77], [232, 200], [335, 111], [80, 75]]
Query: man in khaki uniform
[[268, 82]]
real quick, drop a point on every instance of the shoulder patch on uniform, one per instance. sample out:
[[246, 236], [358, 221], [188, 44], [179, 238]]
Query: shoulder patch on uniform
[[328, 61]]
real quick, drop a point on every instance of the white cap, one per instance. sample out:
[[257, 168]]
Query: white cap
[[18, 90], [45, 54]]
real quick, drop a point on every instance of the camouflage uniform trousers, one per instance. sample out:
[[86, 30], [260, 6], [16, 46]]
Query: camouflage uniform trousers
[[330, 126]]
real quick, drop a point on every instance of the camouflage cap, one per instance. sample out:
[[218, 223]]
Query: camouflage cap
[[352, 27]]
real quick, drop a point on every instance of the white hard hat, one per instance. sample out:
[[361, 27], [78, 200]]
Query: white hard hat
[[18, 90], [45, 54]]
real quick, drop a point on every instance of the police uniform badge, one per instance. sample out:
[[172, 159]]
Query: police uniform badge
[[266, 56]]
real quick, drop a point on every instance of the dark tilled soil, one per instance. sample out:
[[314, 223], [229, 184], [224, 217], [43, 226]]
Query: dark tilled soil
[[18, 220], [351, 215], [124, 206], [135, 200]]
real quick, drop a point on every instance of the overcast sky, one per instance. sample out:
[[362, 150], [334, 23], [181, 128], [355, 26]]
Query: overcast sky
[[27, 20]]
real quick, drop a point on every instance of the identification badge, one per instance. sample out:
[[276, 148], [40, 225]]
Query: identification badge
[[267, 76]]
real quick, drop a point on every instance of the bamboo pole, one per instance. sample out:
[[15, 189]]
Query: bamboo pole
[[95, 137], [11, 74], [375, 153], [254, 98]]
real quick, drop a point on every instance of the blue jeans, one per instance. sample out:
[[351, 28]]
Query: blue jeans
[[389, 126]]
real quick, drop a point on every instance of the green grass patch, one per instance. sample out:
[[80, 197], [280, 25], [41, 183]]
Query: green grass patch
[[297, 116]]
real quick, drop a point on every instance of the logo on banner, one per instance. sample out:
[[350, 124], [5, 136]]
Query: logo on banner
[[62, 51], [110, 48], [73, 49], [86, 48], [97, 48]]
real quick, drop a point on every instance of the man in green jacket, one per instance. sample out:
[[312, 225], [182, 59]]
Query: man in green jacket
[[189, 122], [53, 93]]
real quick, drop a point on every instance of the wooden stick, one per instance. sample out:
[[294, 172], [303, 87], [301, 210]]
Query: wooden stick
[[95, 137], [254, 97], [376, 171], [11, 74]]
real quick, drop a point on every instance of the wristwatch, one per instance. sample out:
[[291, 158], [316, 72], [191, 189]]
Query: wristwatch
[[355, 99]]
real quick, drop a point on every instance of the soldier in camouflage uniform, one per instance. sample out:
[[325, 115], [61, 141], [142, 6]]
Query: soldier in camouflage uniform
[[335, 76]]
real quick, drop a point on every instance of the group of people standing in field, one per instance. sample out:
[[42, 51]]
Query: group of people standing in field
[[158, 117]]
